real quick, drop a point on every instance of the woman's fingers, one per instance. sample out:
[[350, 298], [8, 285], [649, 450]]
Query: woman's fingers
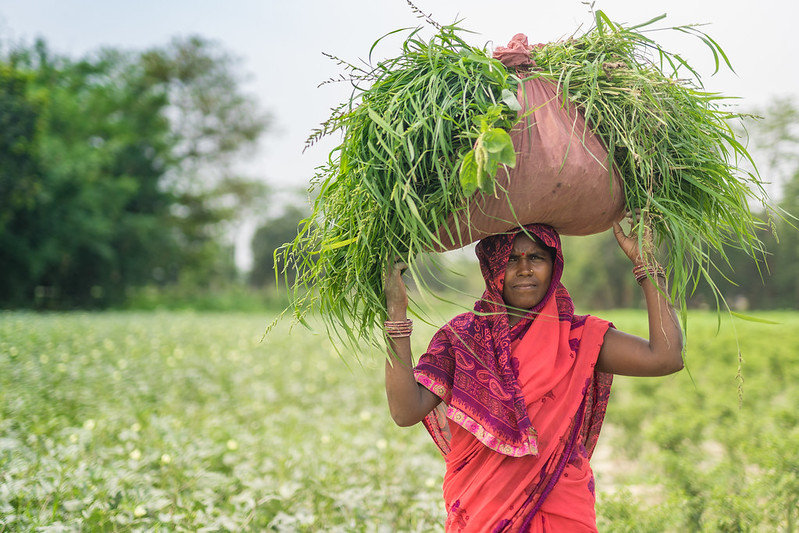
[[639, 252], [394, 285], [395, 268], [627, 243], [396, 293], [618, 232]]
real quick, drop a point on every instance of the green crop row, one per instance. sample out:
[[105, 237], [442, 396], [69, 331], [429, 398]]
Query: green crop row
[[715, 447], [193, 422]]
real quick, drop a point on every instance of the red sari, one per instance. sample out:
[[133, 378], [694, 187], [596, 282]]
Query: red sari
[[522, 407]]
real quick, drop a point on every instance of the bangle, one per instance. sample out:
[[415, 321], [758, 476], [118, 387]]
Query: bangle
[[399, 328], [642, 272]]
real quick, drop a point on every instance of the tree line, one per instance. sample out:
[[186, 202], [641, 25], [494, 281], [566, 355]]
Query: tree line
[[119, 171]]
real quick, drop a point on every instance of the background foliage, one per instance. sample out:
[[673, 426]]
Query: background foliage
[[190, 422], [118, 171], [120, 187]]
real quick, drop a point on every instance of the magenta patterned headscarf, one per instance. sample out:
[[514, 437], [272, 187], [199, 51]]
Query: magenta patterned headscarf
[[481, 391]]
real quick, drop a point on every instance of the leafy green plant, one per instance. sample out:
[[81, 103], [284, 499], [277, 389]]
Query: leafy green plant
[[425, 130], [494, 147], [704, 460], [674, 144], [412, 123], [185, 421]]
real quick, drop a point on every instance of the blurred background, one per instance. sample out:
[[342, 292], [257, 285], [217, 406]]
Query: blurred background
[[152, 154]]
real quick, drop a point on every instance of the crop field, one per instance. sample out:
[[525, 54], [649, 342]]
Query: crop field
[[193, 422]]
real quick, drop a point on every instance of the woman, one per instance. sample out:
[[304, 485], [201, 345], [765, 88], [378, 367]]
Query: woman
[[514, 393]]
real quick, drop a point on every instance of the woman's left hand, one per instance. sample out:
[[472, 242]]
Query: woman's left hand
[[631, 355], [629, 243]]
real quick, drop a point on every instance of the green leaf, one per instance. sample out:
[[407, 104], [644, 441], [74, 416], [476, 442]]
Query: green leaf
[[380, 121], [510, 100], [485, 178], [468, 174], [495, 140], [750, 318], [340, 244], [499, 144], [507, 156]]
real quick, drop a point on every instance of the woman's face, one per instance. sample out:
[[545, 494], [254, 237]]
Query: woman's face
[[528, 273]]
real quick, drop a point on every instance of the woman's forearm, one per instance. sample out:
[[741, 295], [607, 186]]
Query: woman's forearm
[[665, 334], [408, 401], [405, 395]]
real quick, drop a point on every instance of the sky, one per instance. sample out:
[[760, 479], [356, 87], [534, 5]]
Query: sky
[[281, 45]]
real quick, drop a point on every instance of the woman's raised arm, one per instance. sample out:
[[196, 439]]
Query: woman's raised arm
[[630, 355], [408, 401]]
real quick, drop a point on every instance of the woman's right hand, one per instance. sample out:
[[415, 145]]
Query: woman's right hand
[[396, 293], [408, 401]]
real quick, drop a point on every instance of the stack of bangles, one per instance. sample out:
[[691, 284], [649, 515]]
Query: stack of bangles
[[399, 328], [642, 272]]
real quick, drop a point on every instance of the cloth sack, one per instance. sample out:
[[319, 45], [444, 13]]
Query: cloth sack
[[562, 176]]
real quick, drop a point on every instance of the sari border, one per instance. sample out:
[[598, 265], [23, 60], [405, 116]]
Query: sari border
[[529, 447]]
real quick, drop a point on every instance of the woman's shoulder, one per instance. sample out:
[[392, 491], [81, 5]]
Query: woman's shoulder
[[590, 321], [456, 325], [460, 321]]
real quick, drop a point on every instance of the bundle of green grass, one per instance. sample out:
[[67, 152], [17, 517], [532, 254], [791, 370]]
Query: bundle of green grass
[[427, 130]]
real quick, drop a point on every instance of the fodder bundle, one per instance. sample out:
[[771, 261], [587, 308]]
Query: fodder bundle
[[425, 138]]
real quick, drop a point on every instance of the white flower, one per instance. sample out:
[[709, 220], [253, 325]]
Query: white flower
[[139, 511], [232, 445], [135, 454], [166, 459]]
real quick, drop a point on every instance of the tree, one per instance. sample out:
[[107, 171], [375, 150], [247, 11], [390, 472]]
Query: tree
[[777, 137], [598, 274], [213, 125], [268, 238], [20, 178], [106, 194], [19, 172]]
